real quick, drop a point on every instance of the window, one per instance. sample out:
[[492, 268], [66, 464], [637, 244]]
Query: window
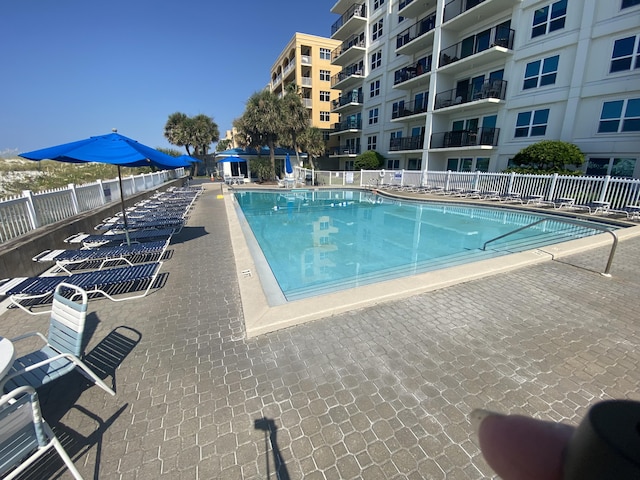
[[324, 96], [393, 164], [377, 4], [376, 59], [629, 3], [372, 142], [620, 116], [324, 116], [373, 116], [626, 54], [541, 73], [397, 109], [377, 29], [325, 75], [532, 124], [546, 20], [375, 89], [616, 167], [414, 164], [325, 54]]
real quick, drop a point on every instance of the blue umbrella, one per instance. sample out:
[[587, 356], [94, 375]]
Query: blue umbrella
[[232, 158], [287, 165], [113, 149], [189, 159]]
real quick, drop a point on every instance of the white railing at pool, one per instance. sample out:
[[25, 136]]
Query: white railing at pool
[[619, 192], [22, 214]]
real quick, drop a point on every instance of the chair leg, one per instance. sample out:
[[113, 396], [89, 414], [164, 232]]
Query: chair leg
[[66, 459], [86, 371]]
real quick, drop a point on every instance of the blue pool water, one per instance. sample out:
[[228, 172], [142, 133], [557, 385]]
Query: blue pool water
[[320, 241]]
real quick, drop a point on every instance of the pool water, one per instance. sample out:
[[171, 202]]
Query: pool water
[[321, 241]]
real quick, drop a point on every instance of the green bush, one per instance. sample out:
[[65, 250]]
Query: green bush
[[548, 156], [369, 160]]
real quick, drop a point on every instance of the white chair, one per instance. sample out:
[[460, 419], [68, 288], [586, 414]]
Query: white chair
[[63, 345], [24, 434]]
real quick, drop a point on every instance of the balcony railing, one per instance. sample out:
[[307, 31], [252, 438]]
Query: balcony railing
[[406, 143], [404, 3], [355, 10], [457, 7], [489, 89], [351, 97], [353, 41], [305, 81], [347, 72], [465, 138], [411, 108], [498, 36], [346, 150], [421, 67], [417, 30], [349, 124]]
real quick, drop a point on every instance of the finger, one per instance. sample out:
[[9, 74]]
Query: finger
[[523, 448]]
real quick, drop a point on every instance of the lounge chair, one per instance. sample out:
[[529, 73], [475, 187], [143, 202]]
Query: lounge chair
[[143, 223], [63, 345], [24, 435], [119, 238], [28, 289], [558, 202], [65, 259], [593, 207]]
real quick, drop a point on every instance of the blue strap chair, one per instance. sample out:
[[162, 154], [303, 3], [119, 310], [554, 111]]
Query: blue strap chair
[[24, 434], [63, 345]]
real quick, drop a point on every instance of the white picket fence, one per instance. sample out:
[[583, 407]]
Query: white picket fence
[[24, 213], [619, 192]]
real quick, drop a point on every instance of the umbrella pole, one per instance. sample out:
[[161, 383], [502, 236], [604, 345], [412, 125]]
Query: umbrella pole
[[124, 212]]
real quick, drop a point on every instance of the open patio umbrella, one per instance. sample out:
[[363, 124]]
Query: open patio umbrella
[[113, 149]]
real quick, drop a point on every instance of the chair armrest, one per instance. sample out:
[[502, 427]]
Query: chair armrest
[[28, 335]]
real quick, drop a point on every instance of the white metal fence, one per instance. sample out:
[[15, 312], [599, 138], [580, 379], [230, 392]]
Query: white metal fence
[[24, 213], [619, 192]]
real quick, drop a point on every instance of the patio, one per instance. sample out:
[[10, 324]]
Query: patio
[[381, 392]]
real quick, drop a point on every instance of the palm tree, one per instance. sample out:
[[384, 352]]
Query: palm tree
[[295, 116], [312, 142], [198, 132], [261, 123]]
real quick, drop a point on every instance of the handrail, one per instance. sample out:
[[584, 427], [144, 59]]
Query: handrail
[[571, 222]]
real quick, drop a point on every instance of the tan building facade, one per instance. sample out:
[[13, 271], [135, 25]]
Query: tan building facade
[[306, 62]]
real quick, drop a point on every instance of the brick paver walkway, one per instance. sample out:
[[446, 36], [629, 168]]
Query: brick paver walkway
[[378, 393]]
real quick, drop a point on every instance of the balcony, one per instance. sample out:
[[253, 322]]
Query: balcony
[[348, 78], [353, 20], [350, 125], [345, 151], [417, 107], [462, 14], [351, 50], [484, 137], [307, 102], [409, 77], [491, 44], [351, 99], [491, 91], [406, 143], [413, 8], [406, 43]]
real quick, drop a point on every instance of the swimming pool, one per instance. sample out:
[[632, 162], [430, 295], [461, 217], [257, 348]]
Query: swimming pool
[[321, 241]]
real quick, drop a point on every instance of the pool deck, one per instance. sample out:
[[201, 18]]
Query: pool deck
[[380, 392]]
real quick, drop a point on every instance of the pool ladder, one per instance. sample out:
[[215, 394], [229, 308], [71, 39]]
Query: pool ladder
[[571, 222]]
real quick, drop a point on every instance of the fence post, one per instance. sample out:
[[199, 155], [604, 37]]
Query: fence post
[[33, 219], [476, 180], [552, 187], [605, 186], [74, 199], [103, 199], [512, 176], [446, 181]]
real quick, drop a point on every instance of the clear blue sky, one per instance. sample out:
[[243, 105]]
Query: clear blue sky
[[77, 68]]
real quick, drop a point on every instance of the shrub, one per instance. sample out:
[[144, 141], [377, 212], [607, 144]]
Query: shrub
[[548, 156]]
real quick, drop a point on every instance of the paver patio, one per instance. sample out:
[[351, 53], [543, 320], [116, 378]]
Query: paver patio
[[378, 393]]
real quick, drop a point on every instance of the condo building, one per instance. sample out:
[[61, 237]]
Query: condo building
[[463, 85], [306, 62]]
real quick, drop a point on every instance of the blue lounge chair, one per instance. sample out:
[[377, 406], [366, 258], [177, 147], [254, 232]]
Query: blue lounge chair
[[25, 289], [119, 238], [64, 259], [24, 435], [63, 345]]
